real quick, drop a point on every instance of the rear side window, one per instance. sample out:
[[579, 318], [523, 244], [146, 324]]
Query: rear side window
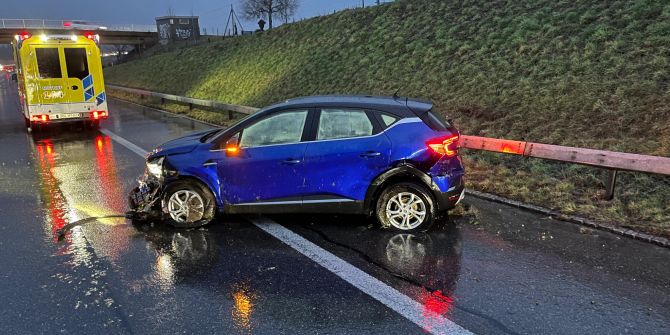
[[343, 123], [388, 120], [48, 63], [76, 62], [435, 121]]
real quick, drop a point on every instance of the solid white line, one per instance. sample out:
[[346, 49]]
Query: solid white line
[[387, 295], [132, 147]]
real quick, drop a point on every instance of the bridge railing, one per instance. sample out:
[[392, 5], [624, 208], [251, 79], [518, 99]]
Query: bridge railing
[[71, 24], [610, 160]]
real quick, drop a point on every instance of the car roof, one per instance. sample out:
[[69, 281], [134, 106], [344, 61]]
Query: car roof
[[404, 107]]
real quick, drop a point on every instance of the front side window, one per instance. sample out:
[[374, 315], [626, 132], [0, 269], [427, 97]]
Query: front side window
[[48, 63], [282, 128], [76, 62], [343, 123]]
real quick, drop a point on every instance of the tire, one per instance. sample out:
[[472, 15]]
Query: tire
[[26, 121], [418, 215], [94, 124], [36, 127], [201, 204]]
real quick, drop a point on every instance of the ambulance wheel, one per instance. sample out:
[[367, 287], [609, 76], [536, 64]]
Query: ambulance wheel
[[36, 127]]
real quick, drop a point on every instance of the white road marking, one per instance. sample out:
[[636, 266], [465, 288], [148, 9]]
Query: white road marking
[[387, 295], [131, 146]]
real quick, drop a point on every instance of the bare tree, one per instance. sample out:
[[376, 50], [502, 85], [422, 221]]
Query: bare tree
[[120, 50], [288, 10], [254, 9]]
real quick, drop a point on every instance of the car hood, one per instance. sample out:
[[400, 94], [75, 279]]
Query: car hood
[[180, 145]]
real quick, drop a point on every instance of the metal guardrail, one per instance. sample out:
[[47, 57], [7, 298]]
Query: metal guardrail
[[189, 101], [611, 160], [598, 158], [71, 24]]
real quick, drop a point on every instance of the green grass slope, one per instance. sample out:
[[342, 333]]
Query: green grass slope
[[592, 74]]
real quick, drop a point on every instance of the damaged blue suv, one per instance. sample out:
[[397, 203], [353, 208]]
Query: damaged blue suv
[[384, 156]]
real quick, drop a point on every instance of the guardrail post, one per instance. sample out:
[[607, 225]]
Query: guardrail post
[[162, 101], [190, 106], [611, 183], [230, 115]]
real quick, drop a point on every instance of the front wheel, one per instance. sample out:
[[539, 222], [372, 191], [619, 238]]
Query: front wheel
[[187, 204], [406, 207]]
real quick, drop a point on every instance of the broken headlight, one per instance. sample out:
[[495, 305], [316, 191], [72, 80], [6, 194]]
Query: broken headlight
[[155, 167]]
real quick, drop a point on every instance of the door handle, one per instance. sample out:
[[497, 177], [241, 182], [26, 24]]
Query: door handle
[[370, 154], [75, 87], [291, 161]]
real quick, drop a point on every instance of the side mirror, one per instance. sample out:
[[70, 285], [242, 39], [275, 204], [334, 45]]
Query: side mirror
[[232, 146]]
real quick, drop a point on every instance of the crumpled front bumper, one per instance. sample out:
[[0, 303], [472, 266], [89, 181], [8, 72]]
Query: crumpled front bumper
[[145, 198]]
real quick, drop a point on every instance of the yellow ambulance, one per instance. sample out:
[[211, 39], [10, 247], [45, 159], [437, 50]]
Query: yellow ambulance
[[60, 79]]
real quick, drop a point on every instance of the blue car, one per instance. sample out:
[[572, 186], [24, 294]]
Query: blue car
[[384, 156]]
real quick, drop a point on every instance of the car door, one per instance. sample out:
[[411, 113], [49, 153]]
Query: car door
[[348, 152], [266, 165]]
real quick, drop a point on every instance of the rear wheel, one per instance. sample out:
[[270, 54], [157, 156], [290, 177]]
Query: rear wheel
[[93, 124], [36, 127], [406, 207], [188, 204]]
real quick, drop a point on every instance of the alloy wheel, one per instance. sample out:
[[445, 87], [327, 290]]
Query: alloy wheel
[[186, 206], [406, 211]]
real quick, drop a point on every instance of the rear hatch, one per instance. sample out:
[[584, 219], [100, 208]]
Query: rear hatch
[[444, 141], [63, 79]]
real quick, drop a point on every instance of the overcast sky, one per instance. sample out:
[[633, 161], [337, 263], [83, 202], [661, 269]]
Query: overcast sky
[[212, 13]]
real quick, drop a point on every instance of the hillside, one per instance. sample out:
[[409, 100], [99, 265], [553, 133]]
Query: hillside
[[584, 73]]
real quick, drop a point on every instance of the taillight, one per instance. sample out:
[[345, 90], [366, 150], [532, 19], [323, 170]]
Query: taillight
[[40, 118], [446, 146], [96, 115], [93, 37]]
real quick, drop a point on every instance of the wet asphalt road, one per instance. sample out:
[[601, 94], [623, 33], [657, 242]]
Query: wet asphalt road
[[508, 272]]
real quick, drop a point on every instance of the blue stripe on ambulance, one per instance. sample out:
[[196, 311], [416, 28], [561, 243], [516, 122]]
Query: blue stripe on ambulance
[[100, 98], [89, 90]]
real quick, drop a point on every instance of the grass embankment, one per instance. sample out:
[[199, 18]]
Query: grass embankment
[[580, 73]]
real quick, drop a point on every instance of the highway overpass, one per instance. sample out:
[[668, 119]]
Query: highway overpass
[[130, 34]]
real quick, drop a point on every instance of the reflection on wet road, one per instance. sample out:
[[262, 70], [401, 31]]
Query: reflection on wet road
[[511, 272]]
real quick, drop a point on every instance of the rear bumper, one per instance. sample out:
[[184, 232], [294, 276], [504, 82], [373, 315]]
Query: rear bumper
[[449, 199], [77, 119], [70, 112]]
